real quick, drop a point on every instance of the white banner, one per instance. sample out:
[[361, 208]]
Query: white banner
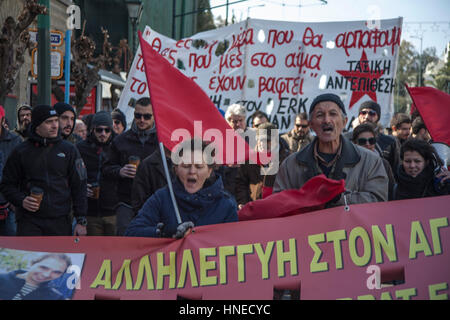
[[279, 67]]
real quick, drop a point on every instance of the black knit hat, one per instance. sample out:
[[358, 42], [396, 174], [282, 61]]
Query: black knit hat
[[117, 114], [40, 114], [102, 118], [62, 107], [328, 97], [371, 105]]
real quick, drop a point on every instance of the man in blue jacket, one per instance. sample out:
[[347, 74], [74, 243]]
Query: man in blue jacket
[[8, 141]]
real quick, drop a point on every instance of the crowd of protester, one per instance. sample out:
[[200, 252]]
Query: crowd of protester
[[95, 176]]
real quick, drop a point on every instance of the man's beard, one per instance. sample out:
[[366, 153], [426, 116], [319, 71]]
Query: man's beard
[[24, 125], [64, 134], [100, 143], [300, 135]]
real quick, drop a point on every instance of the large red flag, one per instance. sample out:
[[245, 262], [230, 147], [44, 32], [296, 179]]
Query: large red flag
[[312, 196], [182, 108], [434, 108]]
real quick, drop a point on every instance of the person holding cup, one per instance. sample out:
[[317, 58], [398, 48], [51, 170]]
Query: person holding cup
[[47, 162], [101, 191], [139, 141]]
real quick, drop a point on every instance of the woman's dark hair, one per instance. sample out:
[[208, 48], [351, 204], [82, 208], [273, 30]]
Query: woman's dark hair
[[365, 127], [425, 149]]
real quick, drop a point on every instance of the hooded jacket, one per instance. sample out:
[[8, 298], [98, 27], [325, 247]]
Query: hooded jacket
[[24, 133], [210, 205], [55, 166], [94, 155], [362, 170], [60, 108]]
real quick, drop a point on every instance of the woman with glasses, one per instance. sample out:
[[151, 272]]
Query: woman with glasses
[[364, 136], [421, 173], [199, 193], [119, 121]]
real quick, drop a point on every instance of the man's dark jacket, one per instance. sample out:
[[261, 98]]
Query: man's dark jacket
[[390, 149], [149, 178], [55, 166], [10, 285], [124, 145], [8, 141], [94, 154]]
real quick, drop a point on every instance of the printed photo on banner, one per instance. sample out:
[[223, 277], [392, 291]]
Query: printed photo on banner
[[31, 275]]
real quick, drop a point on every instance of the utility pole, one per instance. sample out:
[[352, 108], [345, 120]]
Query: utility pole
[[420, 57], [44, 60], [226, 15]]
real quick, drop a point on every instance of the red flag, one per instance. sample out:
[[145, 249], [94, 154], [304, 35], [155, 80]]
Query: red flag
[[313, 195], [181, 107], [434, 108]]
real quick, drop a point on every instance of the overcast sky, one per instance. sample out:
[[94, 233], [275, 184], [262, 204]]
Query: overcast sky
[[434, 14]]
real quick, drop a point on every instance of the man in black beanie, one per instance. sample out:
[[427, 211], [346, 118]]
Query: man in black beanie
[[67, 119], [46, 165], [333, 155], [138, 141], [101, 190]]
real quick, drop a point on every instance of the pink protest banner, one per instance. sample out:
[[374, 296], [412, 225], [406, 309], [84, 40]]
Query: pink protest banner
[[327, 254]]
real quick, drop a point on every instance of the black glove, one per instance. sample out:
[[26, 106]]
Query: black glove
[[182, 229], [160, 230]]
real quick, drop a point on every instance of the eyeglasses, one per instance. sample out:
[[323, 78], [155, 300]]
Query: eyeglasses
[[304, 126], [363, 141], [117, 122], [370, 112], [146, 116], [100, 130]]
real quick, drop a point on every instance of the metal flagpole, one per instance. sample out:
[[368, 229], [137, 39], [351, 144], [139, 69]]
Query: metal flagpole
[[169, 182], [67, 67]]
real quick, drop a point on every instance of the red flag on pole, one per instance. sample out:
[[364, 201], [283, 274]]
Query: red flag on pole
[[182, 110], [434, 108]]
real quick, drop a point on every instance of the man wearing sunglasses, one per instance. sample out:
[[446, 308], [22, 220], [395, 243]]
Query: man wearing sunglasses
[[387, 146], [101, 191], [300, 136], [140, 141]]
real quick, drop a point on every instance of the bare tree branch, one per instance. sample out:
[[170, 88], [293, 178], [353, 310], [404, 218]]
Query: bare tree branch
[[14, 41]]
